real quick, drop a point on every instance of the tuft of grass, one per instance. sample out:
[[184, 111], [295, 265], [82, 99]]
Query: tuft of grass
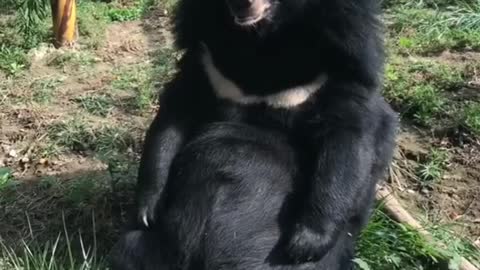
[[388, 245], [416, 91], [72, 60], [456, 245], [433, 168], [132, 12], [423, 30], [78, 136], [43, 89], [12, 60], [59, 254], [99, 105], [143, 81], [138, 81], [425, 103], [92, 22]]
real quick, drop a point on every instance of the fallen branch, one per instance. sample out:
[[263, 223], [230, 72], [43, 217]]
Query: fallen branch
[[397, 212]]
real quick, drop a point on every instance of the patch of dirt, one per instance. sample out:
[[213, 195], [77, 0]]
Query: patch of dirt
[[458, 57], [126, 42], [455, 199], [24, 125]]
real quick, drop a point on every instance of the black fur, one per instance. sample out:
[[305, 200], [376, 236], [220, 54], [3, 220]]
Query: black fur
[[229, 186]]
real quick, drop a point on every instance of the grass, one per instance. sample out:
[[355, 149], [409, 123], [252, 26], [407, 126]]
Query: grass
[[72, 60], [78, 135], [99, 105], [44, 89], [471, 117], [12, 60], [136, 81], [387, 245], [132, 12], [92, 23], [433, 168], [52, 255], [456, 245], [425, 91], [432, 30], [407, 88]]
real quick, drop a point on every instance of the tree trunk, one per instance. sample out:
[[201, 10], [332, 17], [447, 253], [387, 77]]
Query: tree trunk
[[64, 14]]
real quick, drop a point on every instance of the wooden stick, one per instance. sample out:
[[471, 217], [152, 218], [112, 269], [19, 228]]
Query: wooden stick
[[397, 212]]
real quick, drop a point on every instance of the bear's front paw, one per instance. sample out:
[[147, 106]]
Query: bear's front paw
[[146, 212], [306, 245]]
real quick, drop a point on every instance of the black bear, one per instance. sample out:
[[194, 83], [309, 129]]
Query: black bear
[[269, 141]]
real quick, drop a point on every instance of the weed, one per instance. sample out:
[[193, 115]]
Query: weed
[[43, 89], [433, 168], [425, 103], [100, 105], [12, 60], [133, 12], [122, 15]]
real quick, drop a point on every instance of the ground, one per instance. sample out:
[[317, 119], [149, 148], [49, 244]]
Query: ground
[[73, 120]]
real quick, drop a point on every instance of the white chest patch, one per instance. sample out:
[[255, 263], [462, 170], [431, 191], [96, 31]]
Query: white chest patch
[[288, 98]]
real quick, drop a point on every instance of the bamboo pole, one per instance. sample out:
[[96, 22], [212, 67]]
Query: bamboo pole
[[397, 212], [64, 14]]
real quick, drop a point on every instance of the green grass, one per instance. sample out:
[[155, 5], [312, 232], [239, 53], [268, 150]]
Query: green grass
[[387, 245], [12, 60], [432, 169], [43, 90], [422, 90], [408, 90], [72, 60], [144, 81], [137, 81], [52, 255], [99, 105], [78, 135], [455, 244], [426, 31], [92, 23]]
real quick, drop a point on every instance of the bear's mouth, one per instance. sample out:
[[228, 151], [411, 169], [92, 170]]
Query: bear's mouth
[[248, 12]]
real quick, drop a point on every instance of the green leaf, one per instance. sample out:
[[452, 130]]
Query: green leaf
[[361, 264]]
